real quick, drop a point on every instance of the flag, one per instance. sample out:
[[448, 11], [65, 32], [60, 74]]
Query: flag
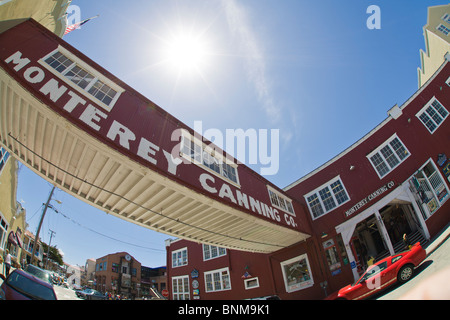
[[77, 25]]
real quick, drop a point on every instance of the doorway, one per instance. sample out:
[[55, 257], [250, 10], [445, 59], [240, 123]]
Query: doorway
[[367, 242], [398, 221]]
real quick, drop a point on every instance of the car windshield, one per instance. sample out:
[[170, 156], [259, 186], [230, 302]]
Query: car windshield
[[373, 270], [30, 288], [41, 274]]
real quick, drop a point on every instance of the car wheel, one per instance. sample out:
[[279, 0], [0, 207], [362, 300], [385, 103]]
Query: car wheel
[[405, 273]]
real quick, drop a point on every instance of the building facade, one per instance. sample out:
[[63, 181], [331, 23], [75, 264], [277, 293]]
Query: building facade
[[28, 244], [437, 42], [88, 276], [393, 181], [153, 281], [118, 273], [12, 215]]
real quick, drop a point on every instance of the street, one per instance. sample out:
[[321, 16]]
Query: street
[[427, 282], [65, 294], [436, 262]]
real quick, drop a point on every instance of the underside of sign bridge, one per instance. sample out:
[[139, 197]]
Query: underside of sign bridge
[[82, 166]]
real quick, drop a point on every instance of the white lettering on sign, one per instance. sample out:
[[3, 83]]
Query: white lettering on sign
[[208, 183], [144, 148], [369, 198]]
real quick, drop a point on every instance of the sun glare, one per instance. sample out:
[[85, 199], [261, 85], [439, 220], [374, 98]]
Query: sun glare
[[187, 53]]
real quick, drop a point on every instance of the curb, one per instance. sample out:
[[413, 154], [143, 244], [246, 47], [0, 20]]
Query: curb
[[438, 240]]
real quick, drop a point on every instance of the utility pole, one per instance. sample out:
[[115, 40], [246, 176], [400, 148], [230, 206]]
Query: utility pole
[[48, 247], [36, 239]]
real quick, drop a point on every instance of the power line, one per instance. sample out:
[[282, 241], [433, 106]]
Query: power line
[[102, 234], [139, 205]]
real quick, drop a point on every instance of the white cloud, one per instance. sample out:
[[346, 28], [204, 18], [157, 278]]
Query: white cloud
[[239, 24]]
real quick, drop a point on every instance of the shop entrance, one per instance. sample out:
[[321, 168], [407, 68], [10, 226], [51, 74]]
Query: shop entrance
[[398, 221], [370, 239], [367, 243], [377, 232]]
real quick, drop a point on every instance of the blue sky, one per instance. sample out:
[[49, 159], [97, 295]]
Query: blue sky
[[311, 69]]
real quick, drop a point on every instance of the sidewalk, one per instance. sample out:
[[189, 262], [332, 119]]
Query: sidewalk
[[437, 240]]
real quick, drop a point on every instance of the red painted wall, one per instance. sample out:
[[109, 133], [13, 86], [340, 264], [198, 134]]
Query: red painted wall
[[238, 262], [363, 180]]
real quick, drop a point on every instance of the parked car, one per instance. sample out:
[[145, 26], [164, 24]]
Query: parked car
[[382, 274], [21, 285], [90, 294], [40, 273]]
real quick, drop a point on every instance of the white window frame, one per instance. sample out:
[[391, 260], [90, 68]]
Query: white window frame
[[430, 117], [219, 252], [81, 64], [446, 17], [429, 187], [208, 151], [184, 295], [297, 286], [443, 29], [4, 157], [448, 81], [280, 198], [179, 261], [333, 196], [377, 151], [248, 283], [216, 288], [4, 226]]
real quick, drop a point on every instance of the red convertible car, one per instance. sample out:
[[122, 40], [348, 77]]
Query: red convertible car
[[382, 274]]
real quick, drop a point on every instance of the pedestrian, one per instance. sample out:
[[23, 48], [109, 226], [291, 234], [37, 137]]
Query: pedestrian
[[406, 242], [7, 262]]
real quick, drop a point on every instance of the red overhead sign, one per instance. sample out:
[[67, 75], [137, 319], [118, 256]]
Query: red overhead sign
[[108, 109]]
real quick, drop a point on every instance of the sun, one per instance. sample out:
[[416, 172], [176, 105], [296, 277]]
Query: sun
[[187, 53]]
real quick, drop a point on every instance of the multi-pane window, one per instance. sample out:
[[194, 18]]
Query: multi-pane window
[[429, 188], [59, 62], [388, 156], [211, 252], [195, 152], [280, 201], [443, 29], [297, 273], [84, 77], [217, 280], [102, 92], [327, 197], [179, 258], [180, 288], [79, 76], [3, 232], [446, 17], [4, 155], [432, 115]]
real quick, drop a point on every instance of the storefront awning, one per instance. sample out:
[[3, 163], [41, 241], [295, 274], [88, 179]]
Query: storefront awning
[[19, 240], [12, 238]]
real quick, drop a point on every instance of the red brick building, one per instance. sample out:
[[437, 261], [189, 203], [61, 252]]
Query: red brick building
[[395, 180], [118, 273]]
